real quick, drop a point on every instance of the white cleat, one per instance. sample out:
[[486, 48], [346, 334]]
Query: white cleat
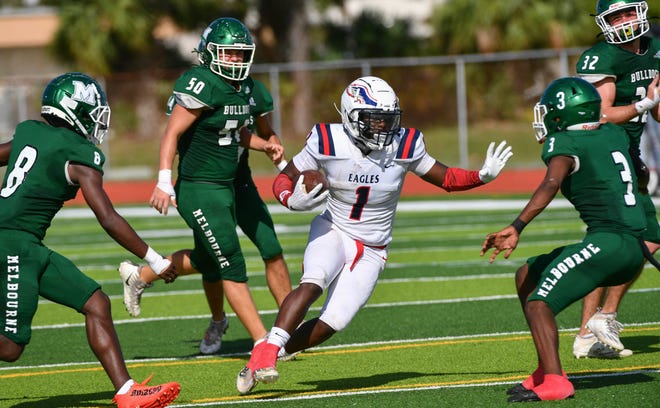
[[282, 355], [606, 328], [590, 347], [212, 340], [133, 287], [245, 381]]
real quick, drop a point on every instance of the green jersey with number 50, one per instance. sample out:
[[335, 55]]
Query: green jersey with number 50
[[36, 183], [603, 185], [208, 150], [632, 74]]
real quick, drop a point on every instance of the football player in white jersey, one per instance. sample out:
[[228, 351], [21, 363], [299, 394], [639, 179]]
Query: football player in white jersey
[[365, 159]]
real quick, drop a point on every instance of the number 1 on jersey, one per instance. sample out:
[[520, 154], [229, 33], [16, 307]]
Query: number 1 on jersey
[[362, 198]]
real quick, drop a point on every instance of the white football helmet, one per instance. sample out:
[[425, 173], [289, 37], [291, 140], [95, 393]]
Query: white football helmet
[[370, 112], [623, 32]]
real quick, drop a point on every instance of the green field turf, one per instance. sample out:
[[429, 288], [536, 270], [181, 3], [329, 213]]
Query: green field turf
[[443, 327]]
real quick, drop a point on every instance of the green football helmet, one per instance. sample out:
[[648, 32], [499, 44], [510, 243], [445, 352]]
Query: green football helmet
[[569, 103], [621, 32], [78, 100], [230, 36]]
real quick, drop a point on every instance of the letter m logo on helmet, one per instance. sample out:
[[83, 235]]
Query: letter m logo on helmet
[[86, 93]]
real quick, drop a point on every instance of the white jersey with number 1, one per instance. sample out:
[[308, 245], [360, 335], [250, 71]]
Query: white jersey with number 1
[[364, 190]]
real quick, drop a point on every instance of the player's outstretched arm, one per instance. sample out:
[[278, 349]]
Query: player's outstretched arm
[[91, 185], [457, 179], [507, 239]]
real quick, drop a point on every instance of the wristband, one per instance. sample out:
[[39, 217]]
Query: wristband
[[645, 105], [156, 262], [165, 182], [282, 189], [165, 176], [518, 225], [281, 165]]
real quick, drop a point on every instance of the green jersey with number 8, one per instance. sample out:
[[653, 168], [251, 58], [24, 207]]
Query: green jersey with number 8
[[36, 183], [208, 150], [632, 74]]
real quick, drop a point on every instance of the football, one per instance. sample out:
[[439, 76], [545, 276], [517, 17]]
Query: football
[[313, 177]]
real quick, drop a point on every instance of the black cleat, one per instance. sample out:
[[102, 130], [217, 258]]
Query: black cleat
[[524, 396], [518, 388]]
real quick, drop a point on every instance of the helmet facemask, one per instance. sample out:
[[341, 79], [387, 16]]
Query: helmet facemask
[[540, 131], [222, 65], [377, 127], [625, 31], [101, 118]]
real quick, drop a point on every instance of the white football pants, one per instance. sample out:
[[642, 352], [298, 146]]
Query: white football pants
[[344, 266]]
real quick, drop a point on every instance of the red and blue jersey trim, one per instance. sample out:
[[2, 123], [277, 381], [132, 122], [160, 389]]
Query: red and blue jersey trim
[[326, 144], [408, 143]]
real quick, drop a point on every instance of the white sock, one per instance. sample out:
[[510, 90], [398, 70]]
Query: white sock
[[127, 386], [278, 337]]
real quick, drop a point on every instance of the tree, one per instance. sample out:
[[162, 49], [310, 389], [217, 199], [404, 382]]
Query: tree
[[468, 26], [105, 38]]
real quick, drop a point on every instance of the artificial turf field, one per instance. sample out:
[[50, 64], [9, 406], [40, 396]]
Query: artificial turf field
[[443, 327]]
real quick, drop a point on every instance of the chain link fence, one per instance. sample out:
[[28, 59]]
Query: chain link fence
[[452, 91]]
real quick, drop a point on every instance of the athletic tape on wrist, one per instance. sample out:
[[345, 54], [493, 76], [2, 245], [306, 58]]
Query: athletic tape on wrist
[[645, 105], [156, 262]]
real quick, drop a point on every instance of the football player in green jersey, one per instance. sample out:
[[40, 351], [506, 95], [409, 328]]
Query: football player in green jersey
[[592, 166], [213, 107], [47, 163], [624, 70]]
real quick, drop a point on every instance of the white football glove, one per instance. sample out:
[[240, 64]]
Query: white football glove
[[495, 161], [301, 200], [165, 182]]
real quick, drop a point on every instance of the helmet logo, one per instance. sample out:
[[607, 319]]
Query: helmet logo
[[361, 94], [85, 93], [617, 4]]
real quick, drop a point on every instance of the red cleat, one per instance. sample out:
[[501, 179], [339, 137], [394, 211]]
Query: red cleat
[[263, 362], [145, 396]]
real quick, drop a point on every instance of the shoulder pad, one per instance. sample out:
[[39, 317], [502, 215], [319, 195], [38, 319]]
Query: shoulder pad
[[325, 142], [408, 143]]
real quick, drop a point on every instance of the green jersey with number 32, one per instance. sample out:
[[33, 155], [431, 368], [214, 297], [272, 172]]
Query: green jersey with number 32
[[36, 182], [603, 185], [631, 72], [208, 150]]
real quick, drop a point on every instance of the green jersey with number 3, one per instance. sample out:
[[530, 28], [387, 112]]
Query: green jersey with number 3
[[603, 185], [208, 150], [36, 182], [631, 72]]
